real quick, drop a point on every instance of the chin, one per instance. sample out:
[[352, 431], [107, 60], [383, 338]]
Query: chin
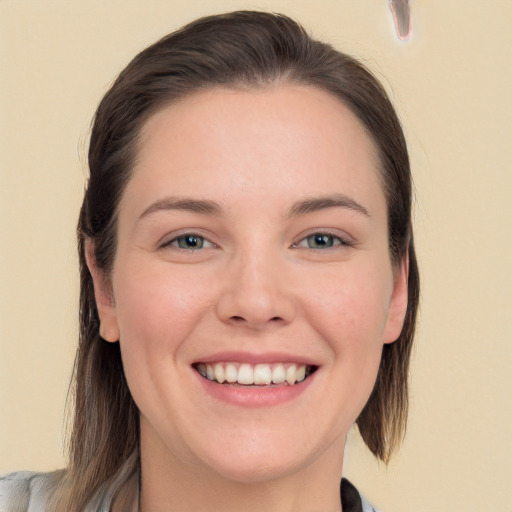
[[258, 458], [255, 469]]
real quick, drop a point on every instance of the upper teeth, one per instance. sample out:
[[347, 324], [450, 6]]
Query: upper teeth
[[248, 374]]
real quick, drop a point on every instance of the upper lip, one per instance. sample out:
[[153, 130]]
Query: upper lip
[[256, 358]]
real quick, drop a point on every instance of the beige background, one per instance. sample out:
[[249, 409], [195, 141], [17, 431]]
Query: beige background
[[451, 84]]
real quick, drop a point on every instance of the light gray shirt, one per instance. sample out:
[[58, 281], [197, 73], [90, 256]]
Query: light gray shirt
[[26, 491]]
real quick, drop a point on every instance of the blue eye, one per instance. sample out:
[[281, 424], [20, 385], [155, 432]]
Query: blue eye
[[190, 242], [322, 241]]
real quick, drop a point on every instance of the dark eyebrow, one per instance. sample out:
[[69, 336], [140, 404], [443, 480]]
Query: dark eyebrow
[[202, 206], [314, 204]]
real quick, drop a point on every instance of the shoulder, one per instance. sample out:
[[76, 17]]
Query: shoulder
[[26, 491], [367, 506], [353, 500]]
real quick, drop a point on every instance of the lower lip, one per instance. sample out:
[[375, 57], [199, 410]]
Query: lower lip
[[254, 396]]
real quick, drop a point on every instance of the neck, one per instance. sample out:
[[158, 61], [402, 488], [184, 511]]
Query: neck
[[168, 483]]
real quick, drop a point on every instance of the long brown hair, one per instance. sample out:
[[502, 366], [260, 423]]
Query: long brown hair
[[238, 50]]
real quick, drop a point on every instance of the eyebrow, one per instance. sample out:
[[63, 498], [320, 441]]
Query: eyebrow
[[315, 204], [202, 206], [208, 207]]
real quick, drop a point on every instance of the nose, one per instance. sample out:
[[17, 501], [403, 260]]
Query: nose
[[256, 294]]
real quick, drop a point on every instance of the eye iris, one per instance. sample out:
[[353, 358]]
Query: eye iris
[[190, 242], [320, 241]]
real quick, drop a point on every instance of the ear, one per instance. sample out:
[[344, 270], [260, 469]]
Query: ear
[[398, 303], [109, 329]]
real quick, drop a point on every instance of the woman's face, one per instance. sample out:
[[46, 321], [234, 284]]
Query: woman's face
[[252, 247]]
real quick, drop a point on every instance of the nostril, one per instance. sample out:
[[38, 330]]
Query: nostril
[[240, 319]]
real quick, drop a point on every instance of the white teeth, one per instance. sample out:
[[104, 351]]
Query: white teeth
[[300, 375], [245, 374], [231, 372], [291, 374], [278, 374], [258, 375], [218, 373], [262, 374]]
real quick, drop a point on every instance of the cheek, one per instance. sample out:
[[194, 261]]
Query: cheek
[[159, 309], [156, 311], [350, 316], [350, 310]]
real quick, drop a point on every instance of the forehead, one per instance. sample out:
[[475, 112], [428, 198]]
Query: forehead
[[279, 138], [254, 109]]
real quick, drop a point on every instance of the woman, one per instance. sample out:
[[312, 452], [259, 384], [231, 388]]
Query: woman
[[248, 279]]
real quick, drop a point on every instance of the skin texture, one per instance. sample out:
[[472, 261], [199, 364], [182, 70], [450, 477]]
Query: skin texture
[[256, 287]]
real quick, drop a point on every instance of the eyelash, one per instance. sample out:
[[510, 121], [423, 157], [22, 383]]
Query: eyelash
[[175, 241], [336, 240]]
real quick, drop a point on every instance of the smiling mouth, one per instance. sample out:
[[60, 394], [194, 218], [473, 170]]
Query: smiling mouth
[[244, 374]]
